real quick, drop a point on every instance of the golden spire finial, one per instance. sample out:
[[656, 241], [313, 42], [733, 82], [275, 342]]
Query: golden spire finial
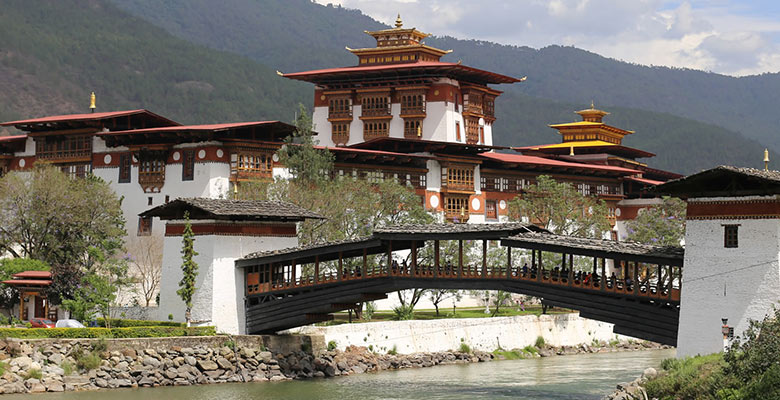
[[92, 102], [571, 150], [419, 131], [766, 159], [592, 107], [398, 22]]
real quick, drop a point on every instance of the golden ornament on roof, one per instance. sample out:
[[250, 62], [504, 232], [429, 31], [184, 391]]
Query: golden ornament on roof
[[92, 101], [398, 22]]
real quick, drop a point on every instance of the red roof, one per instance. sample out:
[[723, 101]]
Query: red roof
[[367, 151], [489, 77], [88, 117], [33, 274], [644, 181], [531, 160], [179, 128], [12, 138], [28, 282]]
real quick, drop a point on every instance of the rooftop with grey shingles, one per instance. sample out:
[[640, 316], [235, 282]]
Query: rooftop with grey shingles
[[224, 209], [596, 247], [455, 231], [724, 180]]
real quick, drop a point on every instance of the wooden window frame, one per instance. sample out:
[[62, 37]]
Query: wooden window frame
[[151, 171], [70, 147], [454, 205], [731, 236], [252, 164], [413, 128], [491, 210], [188, 165], [340, 133], [125, 167], [144, 226]]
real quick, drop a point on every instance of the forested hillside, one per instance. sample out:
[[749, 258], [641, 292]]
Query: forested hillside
[[299, 34], [54, 52]]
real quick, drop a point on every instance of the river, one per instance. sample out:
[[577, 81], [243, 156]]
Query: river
[[587, 376]]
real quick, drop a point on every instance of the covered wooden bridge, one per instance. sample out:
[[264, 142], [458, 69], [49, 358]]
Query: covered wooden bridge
[[636, 287]]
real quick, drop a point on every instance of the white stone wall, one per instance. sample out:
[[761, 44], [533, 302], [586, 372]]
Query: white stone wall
[[219, 297], [486, 334], [736, 283]]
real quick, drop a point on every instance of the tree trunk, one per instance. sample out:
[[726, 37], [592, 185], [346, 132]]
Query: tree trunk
[[187, 317]]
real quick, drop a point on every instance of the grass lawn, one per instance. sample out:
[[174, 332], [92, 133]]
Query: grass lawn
[[463, 312]]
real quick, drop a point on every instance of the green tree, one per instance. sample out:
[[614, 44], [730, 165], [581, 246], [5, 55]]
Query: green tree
[[662, 225], [94, 294], [560, 208], [303, 159], [437, 296], [189, 268]]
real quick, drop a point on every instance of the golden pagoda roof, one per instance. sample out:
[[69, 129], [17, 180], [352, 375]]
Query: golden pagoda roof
[[395, 48], [588, 124], [586, 143]]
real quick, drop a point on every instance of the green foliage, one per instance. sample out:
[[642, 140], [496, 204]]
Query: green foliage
[[758, 349], [126, 323], [510, 354], [67, 367], [189, 268], [95, 293], [662, 225], [87, 361], [3, 367], [170, 317], [308, 165], [370, 308], [464, 348], [689, 378], [560, 208], [108, 333], [403, 312], [332, 345], [100, 345], [230, 344], [530, 349], [539, 342], [393, 351], [33, 373]]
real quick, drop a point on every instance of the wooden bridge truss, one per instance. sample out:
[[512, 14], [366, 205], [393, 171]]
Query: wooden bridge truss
[[304, 285]]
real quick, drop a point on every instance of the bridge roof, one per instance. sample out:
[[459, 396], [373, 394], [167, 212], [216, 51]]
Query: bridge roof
[[631, 251], [322, 251], [453, 231]]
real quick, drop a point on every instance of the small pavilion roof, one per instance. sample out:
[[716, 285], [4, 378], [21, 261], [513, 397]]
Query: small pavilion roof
[[30, 279], [33, 274], [233, 210], [541, 163], [587, 147], [664, 255], [723, 181], [128, 119], [396, 71], [252, 131]]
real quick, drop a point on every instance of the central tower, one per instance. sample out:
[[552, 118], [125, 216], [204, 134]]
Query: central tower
[[401, 89]]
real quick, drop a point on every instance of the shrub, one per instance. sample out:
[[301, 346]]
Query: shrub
[[34, 373], [530, 349], [135, 332], [129, 323], [170, 316], [87, 361], [100, 346], [404, 312], [368, 312], [67, 367], [539, 342], [464, 348], [393, 351], [230, 344], [689, 378], [3, 367], [332, 345], [509, 354]]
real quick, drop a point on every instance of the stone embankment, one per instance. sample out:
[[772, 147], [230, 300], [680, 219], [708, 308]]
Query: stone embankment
[[65, 365], [633, 390]]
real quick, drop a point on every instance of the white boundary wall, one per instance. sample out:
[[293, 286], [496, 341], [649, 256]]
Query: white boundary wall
[[486, 334]]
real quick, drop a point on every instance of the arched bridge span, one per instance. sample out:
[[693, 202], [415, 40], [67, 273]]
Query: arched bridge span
[[635, 287]]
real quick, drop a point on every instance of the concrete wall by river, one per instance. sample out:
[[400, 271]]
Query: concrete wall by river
[[485, 334]]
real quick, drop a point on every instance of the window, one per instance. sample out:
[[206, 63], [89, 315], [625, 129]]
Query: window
[[458, 178], [730, 236], [76, 170], [248, 165], [144, 226], [151, 171], [374, 130], [457, 130], [472, 130], [149, 201], [340, 108], [188, 165], [482, 134], [59, 147], [167, 199], [340, 134], [413, 128], [375, 106], [457, 207], [413, 104], [124, 167], [491, 212], [489, 107]]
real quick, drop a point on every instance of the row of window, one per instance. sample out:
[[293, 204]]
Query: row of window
[[151, 168], [416, 179], [67, 147], [458, 178]]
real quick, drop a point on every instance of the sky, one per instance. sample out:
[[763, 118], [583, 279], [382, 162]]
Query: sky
[[730, 37]]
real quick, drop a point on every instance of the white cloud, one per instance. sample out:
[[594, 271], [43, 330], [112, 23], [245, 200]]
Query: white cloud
[[726, 36]]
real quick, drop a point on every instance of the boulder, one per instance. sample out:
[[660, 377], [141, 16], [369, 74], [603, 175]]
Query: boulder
[[151, 361], [207, 365], [56, 358], [224, 363]]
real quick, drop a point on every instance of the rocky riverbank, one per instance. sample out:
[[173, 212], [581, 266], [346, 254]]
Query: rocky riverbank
[[55, 366], [633, 390]]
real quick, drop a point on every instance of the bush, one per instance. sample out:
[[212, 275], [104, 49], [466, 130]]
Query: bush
[[368, 312], [136, 332], [332, 345], [539, 342], [402, 313], [67, 367], [87, 361], [689, 378], [34, 373], [530, 349], [3, 367], [509, 354], [129, 323], [393, 351], [464, 348]]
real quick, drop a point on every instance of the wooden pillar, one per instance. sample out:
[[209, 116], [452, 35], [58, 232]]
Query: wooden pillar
[[671, 280], [316, 269], [21, 305], [533, 258], [389, 257], [484, 258], [570, 274], [435, 258], [46, 308], [635, 277], [414, 258], [364, 272], [658, 281], [460, 258], [603, 285], [292, 273], [341, 267], [539, 270], [509, 263]]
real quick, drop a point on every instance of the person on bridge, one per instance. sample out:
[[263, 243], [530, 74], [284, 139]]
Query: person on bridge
[[525, 269]]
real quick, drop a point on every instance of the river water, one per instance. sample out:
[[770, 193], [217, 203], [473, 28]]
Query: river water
[[587, 376]]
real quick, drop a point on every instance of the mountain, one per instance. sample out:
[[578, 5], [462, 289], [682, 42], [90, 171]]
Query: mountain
[[53, 53], [301, 35]]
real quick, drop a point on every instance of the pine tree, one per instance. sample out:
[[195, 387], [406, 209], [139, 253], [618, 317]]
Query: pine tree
[[189, 268]]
